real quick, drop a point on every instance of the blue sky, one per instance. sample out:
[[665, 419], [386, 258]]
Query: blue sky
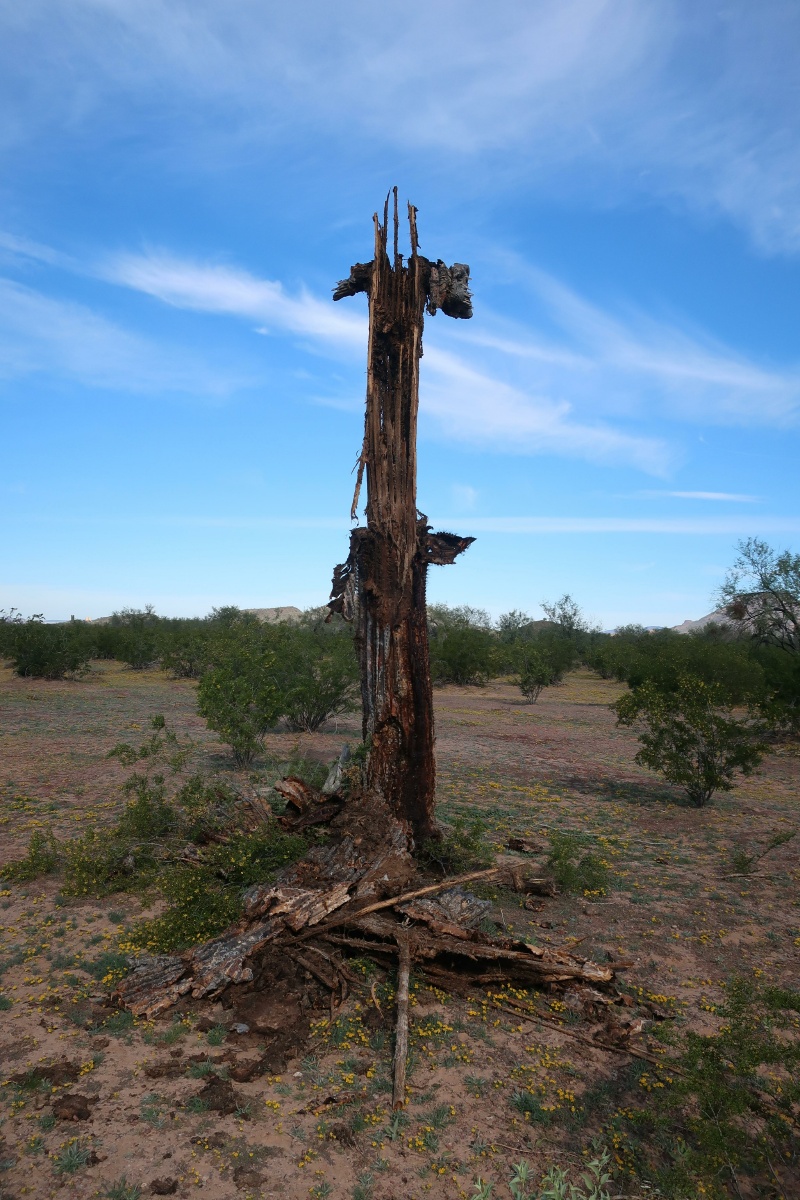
[[183, 181]]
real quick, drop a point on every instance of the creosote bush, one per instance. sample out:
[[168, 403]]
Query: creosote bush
[[538, 670], [41, 859], [41, 651], [691, 736], [240, 701]]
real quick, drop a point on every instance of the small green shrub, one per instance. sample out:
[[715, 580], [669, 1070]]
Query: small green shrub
[[532, 1107], [189, 846], [537, 671], [317, 676], [743, 862], [111, 962], [556, 1184], [728, 1115], [122, 1190], [575, 869], [240, 707], [136, 636], [71, 1158], [691, 736], [461, 848], [42, 858]]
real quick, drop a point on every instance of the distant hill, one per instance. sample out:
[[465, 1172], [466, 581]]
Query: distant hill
[[272, 616], [717, 617]]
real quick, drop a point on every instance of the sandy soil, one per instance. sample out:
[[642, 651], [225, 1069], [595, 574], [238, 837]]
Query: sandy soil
[[317, 1122]]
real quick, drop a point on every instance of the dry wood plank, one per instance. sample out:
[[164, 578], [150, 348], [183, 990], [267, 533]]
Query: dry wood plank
[[401, 1035], [353, 915]]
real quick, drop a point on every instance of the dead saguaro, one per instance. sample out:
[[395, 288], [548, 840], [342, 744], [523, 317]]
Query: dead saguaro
[[381, 587]]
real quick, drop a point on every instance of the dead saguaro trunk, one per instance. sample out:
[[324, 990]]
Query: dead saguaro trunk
[[381, 587]]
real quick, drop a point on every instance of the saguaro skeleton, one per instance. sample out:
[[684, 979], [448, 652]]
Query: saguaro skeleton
[[381, 587]]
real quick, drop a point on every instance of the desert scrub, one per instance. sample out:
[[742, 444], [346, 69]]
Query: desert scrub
[[206, 897], [195, 846], [460, 848], [574, 868], [691, 736], [728, 1113], [42, 858]]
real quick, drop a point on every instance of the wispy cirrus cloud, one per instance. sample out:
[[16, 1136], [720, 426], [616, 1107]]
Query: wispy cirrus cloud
[[697, 376], [41, 334], [221, 289], [725, 497], [574, 380], [463, 400], [691, 104], [624, 363], [579, 390]]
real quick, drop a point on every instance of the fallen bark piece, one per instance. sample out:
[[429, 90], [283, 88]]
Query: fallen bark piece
[[455, 907], [156, 982], [296, 906], [524, 845], [164, 1187], [401, 1034], [56, 1074], [394, 901], [521, 960], [320, 814], [221, 962], [519, 877], [298, 794], [371, 866]]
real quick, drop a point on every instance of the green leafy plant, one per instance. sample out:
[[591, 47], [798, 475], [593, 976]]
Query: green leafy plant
[[460, 848], [364, 1186], [42, 858], [722, 1113], [240, 705], [316, 673], [556, 1184], [136, 636], [189, 845], [122, 1190], [43, 651], [743, 863], [691, 736], [462, 645], [537, 672], [574, 868], [71, 1158]]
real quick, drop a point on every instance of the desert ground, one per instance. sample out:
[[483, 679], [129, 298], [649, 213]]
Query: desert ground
[[176, 1106]]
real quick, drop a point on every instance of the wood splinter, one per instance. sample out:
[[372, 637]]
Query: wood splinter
[[401, 1033]]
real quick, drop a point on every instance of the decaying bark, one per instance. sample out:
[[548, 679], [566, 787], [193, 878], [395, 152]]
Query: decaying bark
[[382, 585]]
